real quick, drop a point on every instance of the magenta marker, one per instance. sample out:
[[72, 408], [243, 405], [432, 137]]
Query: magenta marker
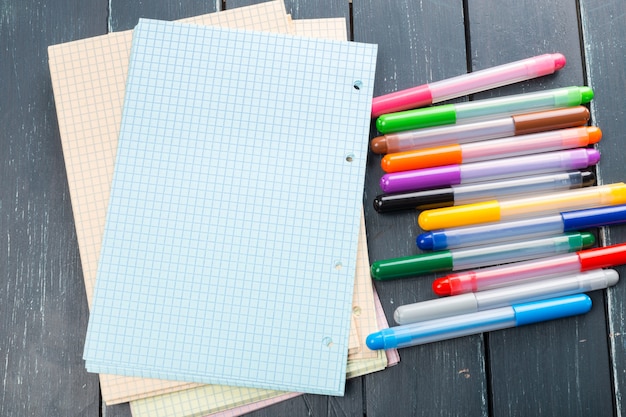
[[469, 83], [421, 179]]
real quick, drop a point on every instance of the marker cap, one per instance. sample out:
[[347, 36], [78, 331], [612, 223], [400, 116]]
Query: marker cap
[[483, 212], [431, 240], [378, 145], [580, 240], [551, 309], [585, 219], [417, 119], [410, 266], [594, 134], [411, 98], [375, 341], [416, 200], [586, 95], [421, 179], [602, 257], [616, 194], [573, 96], [588, 179], [554, 119], [422, 158]]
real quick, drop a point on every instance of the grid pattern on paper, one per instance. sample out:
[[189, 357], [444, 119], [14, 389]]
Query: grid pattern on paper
[[230, 247], [225, 400], [89, 79], [328, 28], [233, 401]]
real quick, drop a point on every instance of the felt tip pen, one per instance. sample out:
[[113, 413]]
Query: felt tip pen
[[554, 140], [481, 191], [490, 233], [421, 179], [528, 271], [501, 127], [483, 321], [469, 83], [500, 297], [474, 257], [523, 207], [480, 109]]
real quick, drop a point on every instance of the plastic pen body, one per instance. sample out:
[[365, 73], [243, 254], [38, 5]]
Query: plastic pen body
[[491, 149], [520, 124], [490, 233], [474, 257], [421, 179], [481, 191], [525, 207], [482, 321], [465, 84], [481, 109], [521, 293], [527, 271]]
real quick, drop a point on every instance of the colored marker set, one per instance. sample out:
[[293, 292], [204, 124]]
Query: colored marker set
[[504, 187]]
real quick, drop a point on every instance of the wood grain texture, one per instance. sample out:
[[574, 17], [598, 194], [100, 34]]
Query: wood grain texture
[[43, 307], [556, 368], [124, 14], [604, 35], [304, 9], [418, 42], [570, 367]]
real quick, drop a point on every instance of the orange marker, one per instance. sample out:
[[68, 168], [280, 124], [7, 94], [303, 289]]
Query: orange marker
[[491, 149]]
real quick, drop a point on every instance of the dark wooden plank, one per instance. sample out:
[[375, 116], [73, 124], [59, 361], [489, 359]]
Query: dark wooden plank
[[604, 34], [124, 14], [561, 367], [317, 405], [307, 9], [43, 305], [418, 43]]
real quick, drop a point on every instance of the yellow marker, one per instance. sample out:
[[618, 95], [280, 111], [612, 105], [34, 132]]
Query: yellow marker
[[494, 210]]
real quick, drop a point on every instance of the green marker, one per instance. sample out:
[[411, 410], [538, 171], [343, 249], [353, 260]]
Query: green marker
[[474, 257], [500, 106]]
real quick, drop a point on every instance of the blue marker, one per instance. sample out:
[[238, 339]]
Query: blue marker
[[522, 229], [482, 321]]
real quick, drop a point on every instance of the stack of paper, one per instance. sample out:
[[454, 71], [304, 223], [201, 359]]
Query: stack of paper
[[88, 78]]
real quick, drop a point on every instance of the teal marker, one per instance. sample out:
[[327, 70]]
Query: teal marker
[[478, 256], [500, 106]]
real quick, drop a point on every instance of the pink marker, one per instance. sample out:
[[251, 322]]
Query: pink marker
[[469, 83]]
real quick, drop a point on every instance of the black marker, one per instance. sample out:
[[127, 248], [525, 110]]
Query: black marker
[[480, 191]]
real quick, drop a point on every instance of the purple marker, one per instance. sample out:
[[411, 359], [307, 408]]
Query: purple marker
[[421, 179]]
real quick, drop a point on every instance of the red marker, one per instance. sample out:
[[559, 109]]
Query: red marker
[[515, 273]]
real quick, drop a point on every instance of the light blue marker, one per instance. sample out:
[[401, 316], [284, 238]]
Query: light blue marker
[[482, 321]]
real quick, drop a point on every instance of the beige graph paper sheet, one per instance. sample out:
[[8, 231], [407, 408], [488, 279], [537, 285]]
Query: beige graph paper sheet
[[88, 79]]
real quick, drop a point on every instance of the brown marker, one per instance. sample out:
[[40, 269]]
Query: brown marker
[[521, 124]]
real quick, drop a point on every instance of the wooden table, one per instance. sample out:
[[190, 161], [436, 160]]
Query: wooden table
[[569, 367]]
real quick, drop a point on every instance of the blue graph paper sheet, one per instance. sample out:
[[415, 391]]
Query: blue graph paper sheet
[[230, 243]]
